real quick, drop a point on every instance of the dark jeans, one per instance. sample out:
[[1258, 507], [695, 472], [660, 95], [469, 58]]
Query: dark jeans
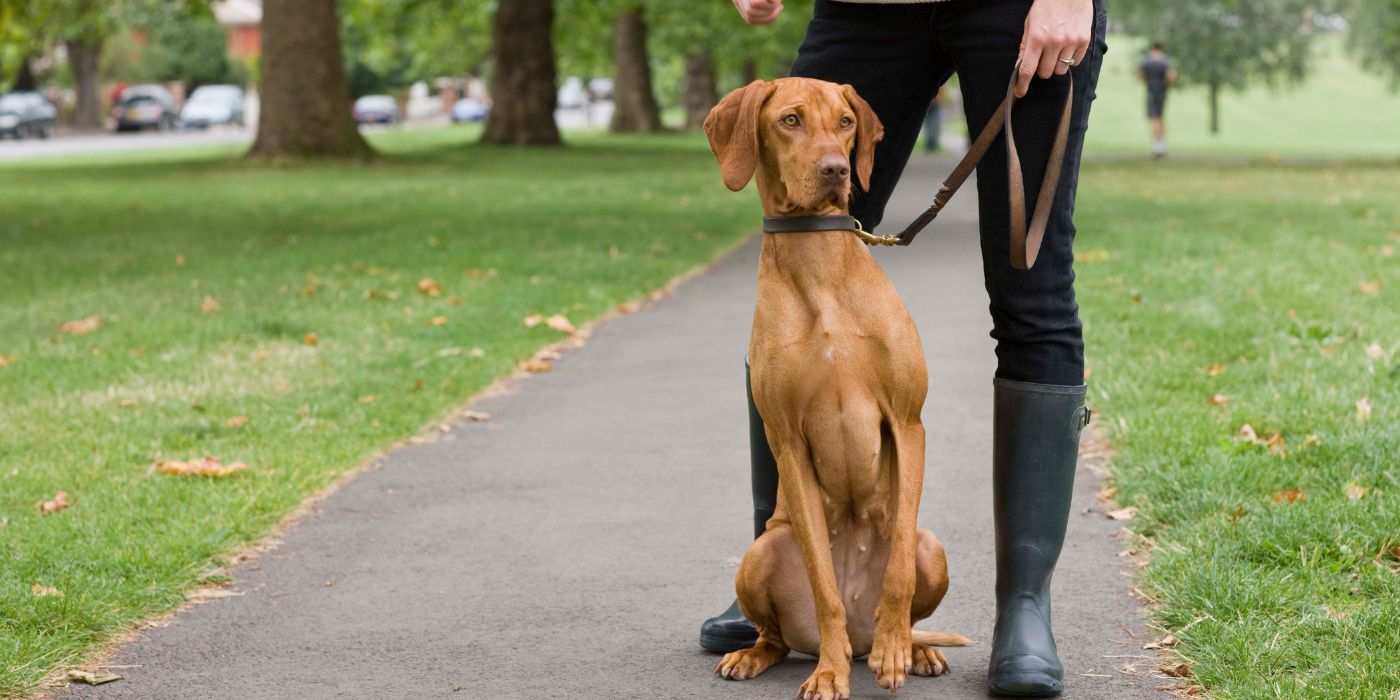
[[897, 56]]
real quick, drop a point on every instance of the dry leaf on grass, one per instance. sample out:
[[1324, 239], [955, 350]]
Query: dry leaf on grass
[[309, 290], [1247, 434], [310, 339], [209, 305], [560, 322], [1127, 513], [1374, 351], [366, 399], [476, 416], [533, 320], [1369, 287], [1290, 496], [1356, 492], [1363, 408], [236, 422], [208, 466], [4, 361], [1108, 492], [1218, 399], [1163, 642], [57, 503], [535, 366], [82, 326], [438, 321], [1215, 370], [42, 591], [1177, 671], [430, 287], [1312, 440], [456, 300], [93, 677]]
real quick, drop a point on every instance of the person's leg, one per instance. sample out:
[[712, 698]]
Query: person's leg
[[1156, 105], [1039, 386], [887, 53]]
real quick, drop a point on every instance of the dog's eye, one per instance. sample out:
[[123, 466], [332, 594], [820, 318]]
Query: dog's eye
[[791, 120], [846, 122]]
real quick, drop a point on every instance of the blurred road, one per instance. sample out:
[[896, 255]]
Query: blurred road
[[571, 546]]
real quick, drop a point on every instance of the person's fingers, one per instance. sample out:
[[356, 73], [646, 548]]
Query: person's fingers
[[1061, 67], [1030, 60], [1049, 58], [759, 11], [1080, 51]]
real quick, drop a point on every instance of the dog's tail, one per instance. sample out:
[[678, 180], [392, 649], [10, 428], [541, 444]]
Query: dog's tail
[[940, 639]]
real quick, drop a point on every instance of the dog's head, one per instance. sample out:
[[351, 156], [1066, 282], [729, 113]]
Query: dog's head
[[796, 135]]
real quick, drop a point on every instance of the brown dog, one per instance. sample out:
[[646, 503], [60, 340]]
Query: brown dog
[[838, 375]]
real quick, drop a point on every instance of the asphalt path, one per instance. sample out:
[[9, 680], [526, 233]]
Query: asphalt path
[[571, 545]]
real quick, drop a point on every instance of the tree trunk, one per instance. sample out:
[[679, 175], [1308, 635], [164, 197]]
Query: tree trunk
[[748, 72], [305, 109], [82, 56], [523, 88], [700, 93], [1215, 108], [24, 77], [634, 103]]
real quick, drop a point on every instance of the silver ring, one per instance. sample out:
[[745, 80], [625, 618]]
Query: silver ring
[[1067, 61]]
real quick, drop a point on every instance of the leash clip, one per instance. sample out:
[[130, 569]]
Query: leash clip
[[872, 239]]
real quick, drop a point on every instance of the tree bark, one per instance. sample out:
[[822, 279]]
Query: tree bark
[[700, 92], [24, 76], [634, 103], [1215, 108], [523, 88], [305, 109], [82, 56], [748, 72]]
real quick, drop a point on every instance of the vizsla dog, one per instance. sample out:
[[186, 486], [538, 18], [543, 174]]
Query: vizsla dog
[[838, 374]]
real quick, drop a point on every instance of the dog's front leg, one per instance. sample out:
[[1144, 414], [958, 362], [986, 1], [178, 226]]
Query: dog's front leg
[[802, 497], [891, 653]]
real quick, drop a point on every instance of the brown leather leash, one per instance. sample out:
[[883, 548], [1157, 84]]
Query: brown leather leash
[[1025, 240]]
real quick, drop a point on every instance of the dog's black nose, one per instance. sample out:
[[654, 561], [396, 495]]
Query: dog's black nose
[[835, 169]]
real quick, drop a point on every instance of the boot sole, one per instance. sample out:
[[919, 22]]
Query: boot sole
[[1026, 685], [724, 645]]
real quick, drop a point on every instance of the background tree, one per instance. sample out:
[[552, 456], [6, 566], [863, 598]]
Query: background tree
[[305, 108], [523, 84], [1375, 36], [634, 98], [1222, 44]]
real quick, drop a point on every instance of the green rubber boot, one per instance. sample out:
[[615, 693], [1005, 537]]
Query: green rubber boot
[[730, 630], [1036, 446]]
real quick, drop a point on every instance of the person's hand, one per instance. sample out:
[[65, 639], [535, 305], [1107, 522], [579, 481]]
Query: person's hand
[[759, 11], [1056, 31]]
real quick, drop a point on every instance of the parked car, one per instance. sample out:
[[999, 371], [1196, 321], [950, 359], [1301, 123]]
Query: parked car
[[376, 109], [572, 95], [602, 88], [146, 107], [470, 109], [213, 104], [25, 114]]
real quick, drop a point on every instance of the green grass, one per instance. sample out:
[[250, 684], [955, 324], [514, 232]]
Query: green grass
[[1341, 111], [1267, 272], [333, 250]]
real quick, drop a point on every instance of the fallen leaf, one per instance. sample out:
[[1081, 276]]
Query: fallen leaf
[[179, 261], [1275, 443], [1218, 399], [93, 677], [1395, 551], [1363, 408], [1247, 434], [1178, 671], [209, 305], [260, 354], [5, 361], [438, 321], [1290, 496], [1369, 287], [1108, 492], [1127, 513], [1236, 514], [309, 290], [208, 466], [1164, 642], [456, 300], [1374, 351], [236, 422], [310, 339], [547, 355], [330, 583], [57, 503], [533, 320], [1312, 440], [560, 323], [82, 326], [477, 416], [1334, 614], [1215, 370], [366, 399], [476, 352], [1356, 492], [430, 287], [42, 591], [535, 366]]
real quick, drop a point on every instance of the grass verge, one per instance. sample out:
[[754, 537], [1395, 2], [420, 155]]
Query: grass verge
[[295, 298], [1216, 298]]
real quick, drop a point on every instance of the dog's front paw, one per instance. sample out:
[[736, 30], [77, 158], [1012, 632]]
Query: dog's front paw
[[826, 683], [748, 663], [891, 655], [928, 661]]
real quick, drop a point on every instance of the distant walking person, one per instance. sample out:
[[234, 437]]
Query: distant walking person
[[933, 124], [1159, 74]]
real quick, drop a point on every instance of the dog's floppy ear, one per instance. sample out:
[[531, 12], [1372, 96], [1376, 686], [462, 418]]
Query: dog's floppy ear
[[869, 131], [732, 127]]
